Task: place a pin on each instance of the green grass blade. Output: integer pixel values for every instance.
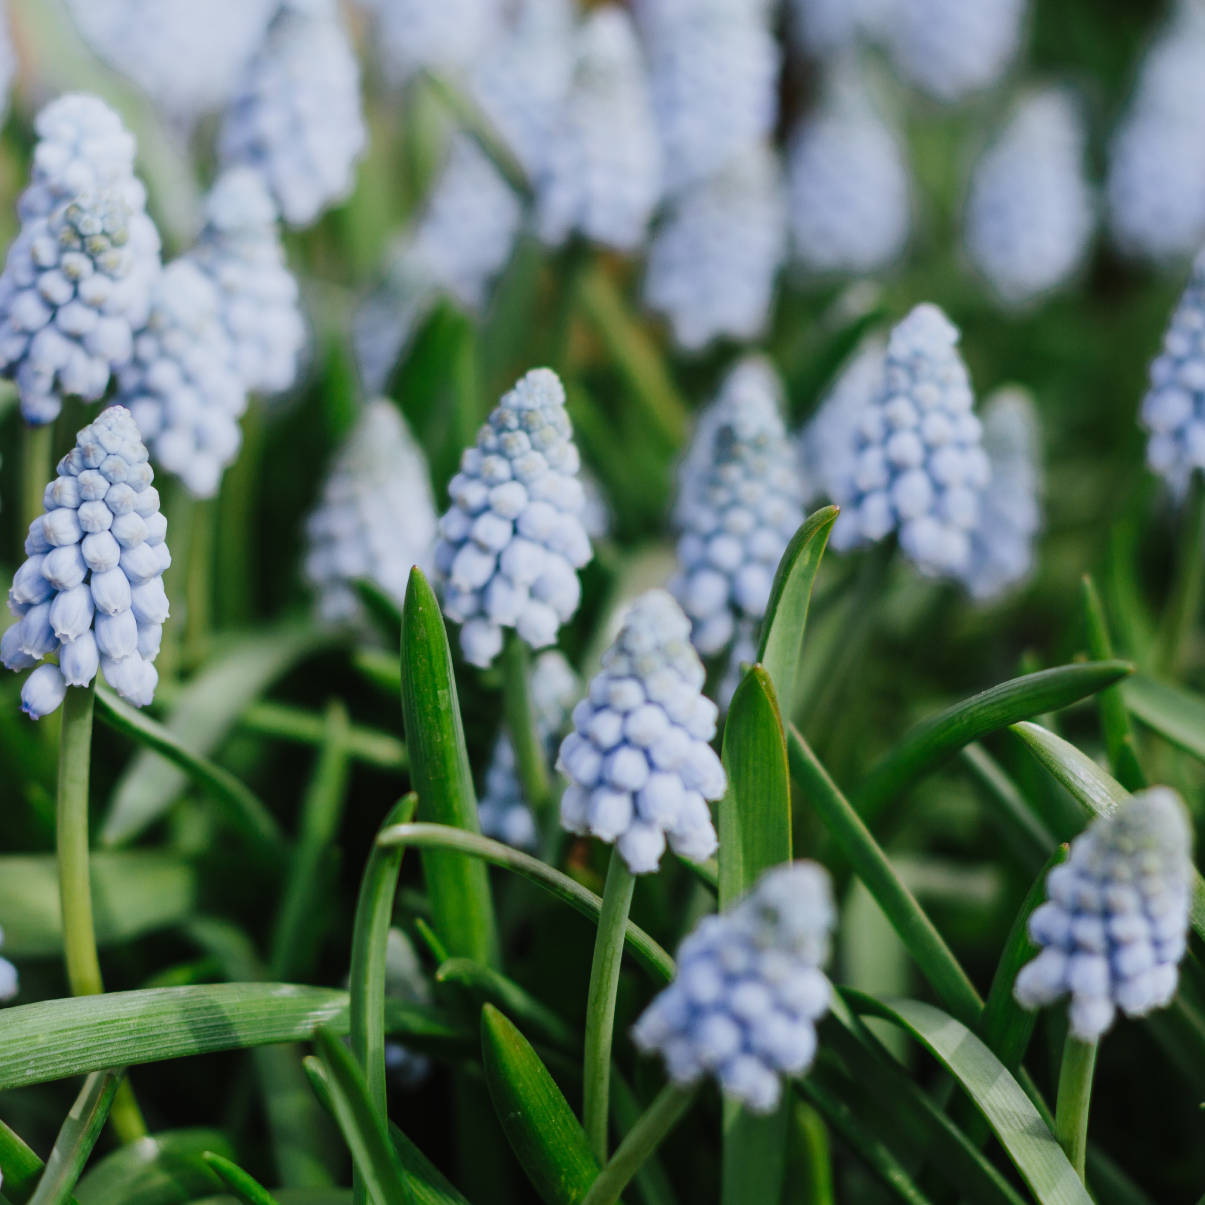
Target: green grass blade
(1175, 713)
(547, 1138)
(20, 1167)
(165, 1169)
(77, 1137)
(458, 887)
(367, 745)
(785, 620)
(438, 836)
(1032, 839)
(1032, 1148)
(427, 1184)
(871, 865)
(937, 739)
(247, 1189)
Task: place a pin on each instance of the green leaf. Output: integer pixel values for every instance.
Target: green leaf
(457, 887)
(547, 1139)
(871, 865)
(427, 1184)
(937, 739)
(290, 1196)
(785, 621)
(652, 1183)
(1176, 714)
(1031, 838)
(133, 893)
(364, 1129)
(438, 836)
(367, 745)
(248, 1190)
(379, 667)
(1033, 1149)
(165, 1169)
(202, 714)
(20, 1167)
(77, 1137)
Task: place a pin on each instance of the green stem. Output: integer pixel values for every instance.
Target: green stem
(530, 759)
(179, 506)
(236, 559)
(199, 615)
(36, 470)
(600, 1006)
(1075, 1096)
(1189, 576)
(641, 1141)
(813, 1139)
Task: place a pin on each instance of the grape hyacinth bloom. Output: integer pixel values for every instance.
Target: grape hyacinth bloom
(749, 990)
(182, 385)
(1115, 924)
(449, 35)
(92, 588)
(638, 760)
(513, 538)
(9, 983)
(921, 467)
(297, 118)
(602, 175)
(376, 519)
(714, 258)
(240, 250)
(1030, 208)
(738, 506)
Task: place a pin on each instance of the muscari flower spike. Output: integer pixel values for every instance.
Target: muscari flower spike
(738, 506)
(1115, 925)
(921, 468)
(638, 760)
(297, 117)
(376, 519)
(513, 539)
(749, 990)
(92, 588)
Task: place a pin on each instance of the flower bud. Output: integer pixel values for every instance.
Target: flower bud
(43, 692)
(116, 635)
(71, 612)
(78, 660)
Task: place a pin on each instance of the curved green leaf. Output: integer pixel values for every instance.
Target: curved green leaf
(248, 1190)
(1175, 713)
(77, 1137)
(20, 1167)
(165, 1169)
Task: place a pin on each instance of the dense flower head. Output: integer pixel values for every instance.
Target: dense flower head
(638, 760)
(513, 538)
(92, 588)
(297, 118)
(602, 174)
(240, 250)
(1115, 924)
(714, 258)
(738, 505)
(920, 467)
(1030, 210)
(749, 990)
(183, 385)
(413, 34)
(376, 518)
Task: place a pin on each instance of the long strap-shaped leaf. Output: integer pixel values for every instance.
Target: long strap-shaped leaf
(161, 1168)
(77, 1137)
(246, 1188)
(1172, 711)
(1033, 1149)
(21, 1168)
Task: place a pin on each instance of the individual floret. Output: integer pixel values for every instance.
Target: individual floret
(183, 385)
(297, 118)
(749, 990)
(639, 762)
(92, 588)
(738, 506)
(448, 35)
(1030, 210)
(602, 176)
(921, 468)
(513, 538)
(714, 258)
(1115, 925)
(376, 519)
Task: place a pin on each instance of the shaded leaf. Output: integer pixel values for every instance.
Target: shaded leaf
(77, 1137)
(1175, 713)
(427, 1184)
(164, 1169)
(367, 745)
(247, 1189)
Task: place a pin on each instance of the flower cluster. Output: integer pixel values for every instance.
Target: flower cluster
(1115, 925)
(749, 990)
(920, 467)
(638, 759)
(513, 538)
(376, 519)
(1030, 209)
(738, 505)
(92, 588)
(77, 278)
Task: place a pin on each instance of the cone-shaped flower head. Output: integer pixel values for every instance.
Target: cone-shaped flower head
(377, 515)
(240, 250)
(450, 35)
(296, 118)
(638, 758)
(92, 588)
(921, 467)
(738, 505)
(1002, 546)
(513, 538)
(183, 385)
(9, 985)
(749, 990)
(713, 261)
(602, 176)
(848, 185)
(187, 57)
(1030, 210)
(1115, 925)
(714, 73)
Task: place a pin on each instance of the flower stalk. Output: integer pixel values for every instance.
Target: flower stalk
(1075, 1097)
(37, 455)
(531, 762)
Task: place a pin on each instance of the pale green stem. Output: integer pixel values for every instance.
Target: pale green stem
(1189, 576)
(600, 1006)
(1075, 1096)
(199, 616)
(36, 456)
(179, 508)
(531, 762)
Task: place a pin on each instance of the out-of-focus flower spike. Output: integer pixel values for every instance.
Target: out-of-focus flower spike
(450, 35)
